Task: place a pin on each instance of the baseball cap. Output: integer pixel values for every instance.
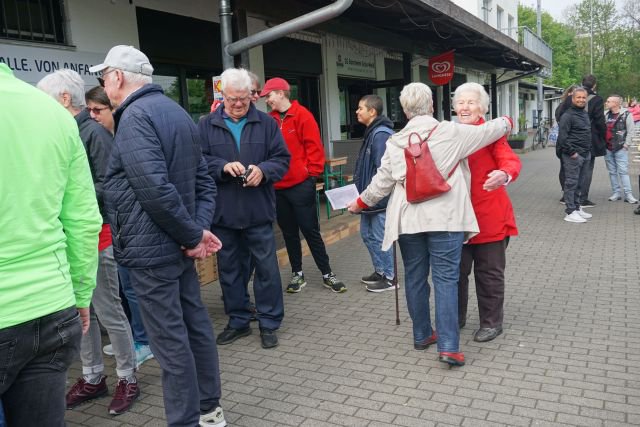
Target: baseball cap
(275, 83)
(126, 58)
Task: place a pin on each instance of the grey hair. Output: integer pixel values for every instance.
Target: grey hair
(416, 100)
(477, 89)
(136, 79)
(64, 81)
(254, 78)
(235, 78)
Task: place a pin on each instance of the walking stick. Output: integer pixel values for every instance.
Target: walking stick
(395, 282)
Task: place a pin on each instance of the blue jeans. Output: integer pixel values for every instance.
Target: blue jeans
(34, 359)
(441, 251)
(618, 165)
(181, 339)
(137, 327)
(372, 232)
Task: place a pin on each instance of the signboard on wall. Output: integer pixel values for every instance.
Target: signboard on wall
(33, 63)
(441, 68)
(354, 64)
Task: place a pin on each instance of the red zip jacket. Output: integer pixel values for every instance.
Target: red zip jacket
(302, 135)
(493, 209)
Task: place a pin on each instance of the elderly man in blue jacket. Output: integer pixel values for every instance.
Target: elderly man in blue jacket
(160, 200)
(246, 155)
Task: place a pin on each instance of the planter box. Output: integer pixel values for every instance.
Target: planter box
(516, 143)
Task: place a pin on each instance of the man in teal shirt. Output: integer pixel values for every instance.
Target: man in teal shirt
(49, 225)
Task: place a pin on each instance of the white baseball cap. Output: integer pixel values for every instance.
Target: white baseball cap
(126, 58)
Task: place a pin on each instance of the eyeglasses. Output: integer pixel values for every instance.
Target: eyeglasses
(96, 110)
(243, 100)
(255, 92)
(101, 78)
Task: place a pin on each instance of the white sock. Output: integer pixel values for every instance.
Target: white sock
(93, 378)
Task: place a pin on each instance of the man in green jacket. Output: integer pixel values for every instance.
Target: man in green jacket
(49, 225)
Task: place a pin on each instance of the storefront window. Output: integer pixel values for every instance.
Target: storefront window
(170, 85)
(197, 98)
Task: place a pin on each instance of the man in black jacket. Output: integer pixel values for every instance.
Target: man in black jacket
(574, 146)
(595, 110)
(160, 202)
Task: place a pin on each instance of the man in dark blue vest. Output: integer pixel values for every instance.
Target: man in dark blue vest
(378, 130)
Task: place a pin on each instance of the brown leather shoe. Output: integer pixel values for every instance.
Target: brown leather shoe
(83, 391)
(126, 393)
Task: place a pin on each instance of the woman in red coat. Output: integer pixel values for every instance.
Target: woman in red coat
(492, 168)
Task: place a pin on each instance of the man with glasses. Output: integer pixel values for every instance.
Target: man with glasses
(160, 201)
(246, 156)
(67, 87)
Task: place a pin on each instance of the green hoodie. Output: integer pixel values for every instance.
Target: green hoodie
(49, 218)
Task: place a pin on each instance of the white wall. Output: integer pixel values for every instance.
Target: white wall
(470, 6)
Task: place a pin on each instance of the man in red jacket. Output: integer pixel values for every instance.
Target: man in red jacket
(296, 192)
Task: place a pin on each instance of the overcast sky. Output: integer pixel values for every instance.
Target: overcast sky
(557, 7)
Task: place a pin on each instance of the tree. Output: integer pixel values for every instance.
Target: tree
(561, 38)
(615, 44)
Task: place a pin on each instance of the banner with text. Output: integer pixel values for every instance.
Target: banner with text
(441, 68)
(33, 63)
(354, 64)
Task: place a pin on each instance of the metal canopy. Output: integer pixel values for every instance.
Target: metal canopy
(431, 27)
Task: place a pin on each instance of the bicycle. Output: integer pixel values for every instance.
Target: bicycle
(541, 138)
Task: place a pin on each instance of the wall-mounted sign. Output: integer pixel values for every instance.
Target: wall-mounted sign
(33, 63)
(441, 68)
(217, 88)
(353, 64)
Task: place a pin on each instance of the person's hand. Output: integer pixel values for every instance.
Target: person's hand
(255, 177)
(353, 207)
(207, 246)
(84, 317)
(234, 169)
(574, 156)
(497, 178)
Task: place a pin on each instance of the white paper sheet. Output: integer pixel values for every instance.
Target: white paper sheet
(340, 197)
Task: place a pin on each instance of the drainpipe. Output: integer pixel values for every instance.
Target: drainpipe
(229, 50)
(226, 32)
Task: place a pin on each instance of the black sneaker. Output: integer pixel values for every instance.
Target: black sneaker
(382, 285)
(334, 284)
(296, 284)
(637, 210)
(229, 335)
(372, 278)
(562, 201)
(587, 204)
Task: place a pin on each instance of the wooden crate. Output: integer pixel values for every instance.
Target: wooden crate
(207, 269)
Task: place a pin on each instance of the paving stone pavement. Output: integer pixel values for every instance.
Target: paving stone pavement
(569, 354)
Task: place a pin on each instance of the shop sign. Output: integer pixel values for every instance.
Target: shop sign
(441, 68)
(351, 63)
(31, 64)
(217, 88)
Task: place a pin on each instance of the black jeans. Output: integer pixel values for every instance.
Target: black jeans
(181, 339)
(588, 175)
(34, 359)
(296, 211)
(575, 171)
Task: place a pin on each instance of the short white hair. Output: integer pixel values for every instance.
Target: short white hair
(236, 78)
(136, 79)
(64, 81)
(478, 90)
(416, 100)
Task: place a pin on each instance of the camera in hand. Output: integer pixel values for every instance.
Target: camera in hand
(245, 175)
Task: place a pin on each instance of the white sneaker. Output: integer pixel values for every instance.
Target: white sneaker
(630, 199)
(584, 214)
(108, 350)
(574, 217)
(214, 418)
(614, 197)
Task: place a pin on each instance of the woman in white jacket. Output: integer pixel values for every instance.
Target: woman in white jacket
(431, 233)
